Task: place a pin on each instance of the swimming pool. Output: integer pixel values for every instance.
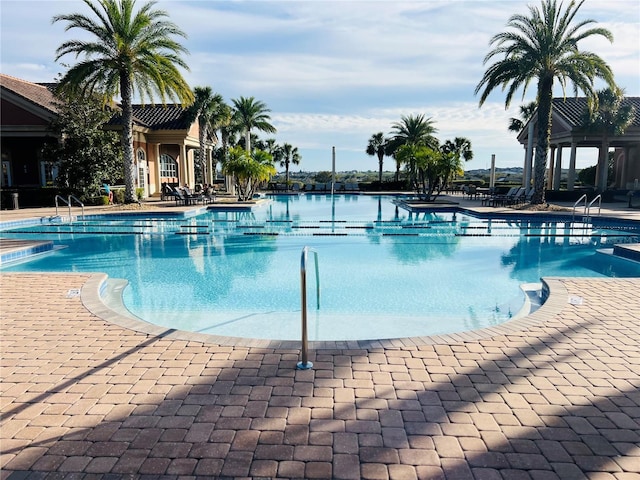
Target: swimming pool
(385, 272)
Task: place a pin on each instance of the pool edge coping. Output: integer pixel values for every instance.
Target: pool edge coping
(557, 299)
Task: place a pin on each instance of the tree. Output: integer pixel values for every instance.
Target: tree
(86, 155)
(378, 146)
(249, 170)
(249, 114)
(211, 113)
(411, 130)
(287, 155)
(543, 47)
(453, 154)
(526, 113)
(128, 50)
(609, 116)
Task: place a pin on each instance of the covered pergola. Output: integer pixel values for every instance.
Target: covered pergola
(567, 132)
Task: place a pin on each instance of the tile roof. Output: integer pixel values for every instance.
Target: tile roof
(38, 94)
(158, 117)
(571, 109)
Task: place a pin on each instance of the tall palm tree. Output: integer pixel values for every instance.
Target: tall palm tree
(610, 116)
(209, 110)
(251, 113)
(288, 155)
(543, 47)
(128, 50)
(378, 146)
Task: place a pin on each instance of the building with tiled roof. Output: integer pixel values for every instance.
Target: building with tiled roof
(567, 131)
(165, 142)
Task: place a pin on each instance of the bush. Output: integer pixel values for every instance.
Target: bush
(118, 195)
(139, 193)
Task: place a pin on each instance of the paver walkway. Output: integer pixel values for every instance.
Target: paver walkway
(84, 398)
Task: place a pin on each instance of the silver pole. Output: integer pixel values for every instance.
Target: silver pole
(304, 364)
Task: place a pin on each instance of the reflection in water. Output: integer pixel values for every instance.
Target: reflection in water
(386, 272)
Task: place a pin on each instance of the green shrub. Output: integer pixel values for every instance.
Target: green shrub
(139, 193)
(118, 195)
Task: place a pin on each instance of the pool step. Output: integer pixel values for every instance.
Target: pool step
(13, 250)
(630, 251)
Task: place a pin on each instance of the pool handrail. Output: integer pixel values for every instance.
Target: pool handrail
(588, 207)
(67, 202)
(583, 197)
(304, 363)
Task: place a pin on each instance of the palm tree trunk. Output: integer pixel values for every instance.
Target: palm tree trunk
(545, 95)
(127, 139)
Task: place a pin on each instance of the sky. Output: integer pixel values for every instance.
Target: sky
(333, 73)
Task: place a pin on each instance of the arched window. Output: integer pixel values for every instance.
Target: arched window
(168, 166)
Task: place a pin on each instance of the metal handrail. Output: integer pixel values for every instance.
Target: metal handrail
(588, 207)
(67, 202)
(79, 203)
(305, 364)
(583, 197)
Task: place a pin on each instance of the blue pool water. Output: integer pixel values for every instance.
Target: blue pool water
(384, 272)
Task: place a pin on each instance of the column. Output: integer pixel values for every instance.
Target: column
(623, 167)
(158, 181)
(558, 170)
(571, 179)
(184, 165)
(528, 159)
(552, 156)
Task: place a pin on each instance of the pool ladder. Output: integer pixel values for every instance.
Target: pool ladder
(304, 363)
(587, 207)
(68, 202)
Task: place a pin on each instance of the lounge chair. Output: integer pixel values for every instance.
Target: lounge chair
(192, 198)
(517, 198)
(176, 194)
(499, 199)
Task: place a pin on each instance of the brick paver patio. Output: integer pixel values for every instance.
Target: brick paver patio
(85, 398)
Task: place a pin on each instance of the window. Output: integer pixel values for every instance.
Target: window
(48, 173)
(168, 166)
(142, 168)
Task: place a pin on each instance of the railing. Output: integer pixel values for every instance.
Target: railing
(583, 197)
(588, 207)
(305, 364)
(67, 202)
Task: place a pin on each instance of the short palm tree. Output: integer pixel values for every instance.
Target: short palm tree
(288, 155)
(610, 116)
(542, 47)
(454, 152)
(250, 113)
(378, 146)
(412, 130)
(249, 170)
(128, 50)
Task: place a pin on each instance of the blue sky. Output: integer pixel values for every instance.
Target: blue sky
(334, 73)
